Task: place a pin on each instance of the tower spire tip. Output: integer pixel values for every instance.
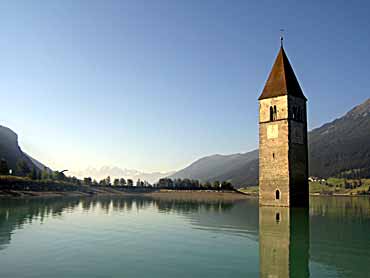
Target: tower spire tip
(281, 37)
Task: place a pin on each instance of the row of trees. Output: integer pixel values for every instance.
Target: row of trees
(4, 169)
(164, 183)
(116, 182)
(188, 184)
(355, 173)
(23, 169)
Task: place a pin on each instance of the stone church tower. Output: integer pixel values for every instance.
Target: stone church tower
(283, 158)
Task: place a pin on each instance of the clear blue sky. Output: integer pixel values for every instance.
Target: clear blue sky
(154, 85)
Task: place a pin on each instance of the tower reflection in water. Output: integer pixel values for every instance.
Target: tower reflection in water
(284, 242)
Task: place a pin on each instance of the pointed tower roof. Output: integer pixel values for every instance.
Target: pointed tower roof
(282, 80)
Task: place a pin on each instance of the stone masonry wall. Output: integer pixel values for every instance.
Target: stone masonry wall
(273, 156)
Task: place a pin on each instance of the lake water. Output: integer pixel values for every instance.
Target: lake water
(147, 237)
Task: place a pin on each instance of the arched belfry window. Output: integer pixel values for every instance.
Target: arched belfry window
(271, 113)
(277, 195)
(300, 114)
(302, 119)
(297, 113)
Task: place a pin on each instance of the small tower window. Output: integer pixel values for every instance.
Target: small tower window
(277, 217)
(273, 155)
(277, 195)
(275, 113)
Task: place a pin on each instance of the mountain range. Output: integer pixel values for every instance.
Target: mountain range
(336, 148)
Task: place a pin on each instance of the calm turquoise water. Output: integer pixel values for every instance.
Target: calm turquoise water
(146, 237)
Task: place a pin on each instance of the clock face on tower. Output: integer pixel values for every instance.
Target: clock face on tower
(272, 131)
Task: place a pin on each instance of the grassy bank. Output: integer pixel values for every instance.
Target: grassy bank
(22, 186)
(331, 186)
(338, 186)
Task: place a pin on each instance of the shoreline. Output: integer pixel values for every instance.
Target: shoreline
(98, 191)
(168, 194)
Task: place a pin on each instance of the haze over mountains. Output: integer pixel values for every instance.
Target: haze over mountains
(241, 168)
(12, 153)
(117, 172)
(334, 148)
